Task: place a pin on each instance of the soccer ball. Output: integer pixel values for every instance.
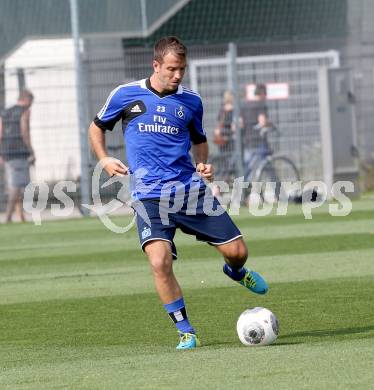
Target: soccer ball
(257, 326)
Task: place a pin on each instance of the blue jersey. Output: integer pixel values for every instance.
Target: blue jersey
(158, 130)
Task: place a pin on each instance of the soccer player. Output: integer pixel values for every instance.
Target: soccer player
(160, 119)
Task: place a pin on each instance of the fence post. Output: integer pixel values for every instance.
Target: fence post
(81, 104)
(232, 74)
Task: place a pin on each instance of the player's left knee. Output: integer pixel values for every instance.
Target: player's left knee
(241, 256)
(238, 253)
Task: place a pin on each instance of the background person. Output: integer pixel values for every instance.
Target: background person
(254, 117)
(16, 151)
(224, 132)
(224, 138)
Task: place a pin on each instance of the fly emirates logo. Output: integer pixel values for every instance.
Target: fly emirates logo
(158, 126)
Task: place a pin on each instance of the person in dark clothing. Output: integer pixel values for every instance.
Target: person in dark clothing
(224, 138)
(223, 133)
(16, 151)
(254, 117)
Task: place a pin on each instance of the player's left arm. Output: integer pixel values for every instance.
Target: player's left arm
(200, 153)
(200, 148)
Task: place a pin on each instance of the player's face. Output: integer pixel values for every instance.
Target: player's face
(169, 73)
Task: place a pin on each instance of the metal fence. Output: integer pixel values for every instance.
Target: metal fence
(295, 114)
(47, 68)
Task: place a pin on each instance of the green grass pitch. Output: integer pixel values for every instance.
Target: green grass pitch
(78, 308)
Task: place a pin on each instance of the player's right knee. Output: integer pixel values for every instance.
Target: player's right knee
(161, 266)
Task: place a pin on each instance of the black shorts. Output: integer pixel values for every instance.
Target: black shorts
(200, 215)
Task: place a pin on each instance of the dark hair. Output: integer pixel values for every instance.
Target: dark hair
(25, 94)
(166, 45)
(260, 88)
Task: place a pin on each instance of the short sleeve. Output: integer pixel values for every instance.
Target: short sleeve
(112, 110)
(197, 132)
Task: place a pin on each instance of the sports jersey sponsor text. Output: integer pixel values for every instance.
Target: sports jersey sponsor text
(157, 128)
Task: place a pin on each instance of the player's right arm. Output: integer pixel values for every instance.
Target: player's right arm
(112, 166)
(108, 116)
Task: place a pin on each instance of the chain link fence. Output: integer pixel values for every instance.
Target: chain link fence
(46, 67)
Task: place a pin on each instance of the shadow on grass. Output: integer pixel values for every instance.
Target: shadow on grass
(280, 341)
(218, 343)
(284, 340)
(236, 343)
(330, 332)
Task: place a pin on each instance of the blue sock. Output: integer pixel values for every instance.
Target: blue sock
(236, 274)
(177, 312)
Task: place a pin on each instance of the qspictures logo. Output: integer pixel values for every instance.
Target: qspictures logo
(264, 198)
